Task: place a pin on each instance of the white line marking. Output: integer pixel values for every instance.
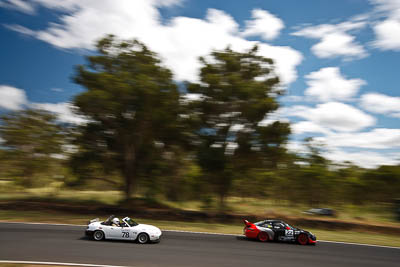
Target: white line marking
(208, 233)
(359, 244)
(58, 263)
(58, 224)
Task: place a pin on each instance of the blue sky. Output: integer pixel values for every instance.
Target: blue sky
(338, 60)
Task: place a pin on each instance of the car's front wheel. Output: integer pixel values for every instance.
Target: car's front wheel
(302, 239)
(98, 235)
(143, 238)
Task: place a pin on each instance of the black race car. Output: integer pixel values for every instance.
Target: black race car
(277, 230)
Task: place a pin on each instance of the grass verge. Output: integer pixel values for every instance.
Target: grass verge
(65, 218)
(378, 214)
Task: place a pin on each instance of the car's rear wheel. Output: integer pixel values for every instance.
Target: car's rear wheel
(98, 235)
(302, 239)
(263, 236)
(143, 238)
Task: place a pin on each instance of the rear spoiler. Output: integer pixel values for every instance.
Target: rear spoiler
(94, 220)
(247, 223)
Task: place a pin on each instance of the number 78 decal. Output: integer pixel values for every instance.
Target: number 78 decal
(125, 234)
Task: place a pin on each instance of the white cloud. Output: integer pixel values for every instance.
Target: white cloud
(286, 59)
(296, 146)
(264, 24)
(335, 40)
(338, 44)
(366, 159)
(387, 31)
(381, 104)
(292, 98)
(328, 84)
(387, 35)
(12, 98)
(20, 5)
(380, 138)
(179, 41)
(20, 29)
(277, 115)
(308, 127)
(64, 112)
(333, 116)
(390, 7)
(337, 154)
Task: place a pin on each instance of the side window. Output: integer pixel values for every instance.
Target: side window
(278, 225)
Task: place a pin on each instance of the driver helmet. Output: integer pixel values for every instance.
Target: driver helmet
(115, 221)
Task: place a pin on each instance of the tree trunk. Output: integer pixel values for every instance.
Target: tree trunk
(28, 173)
(223, 188)
(222, 201)
(129, 170)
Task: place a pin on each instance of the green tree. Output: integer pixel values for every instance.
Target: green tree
(132, 106)
(348, 185)
(381, 184)
(31, 141)
(312, 182)
(238, 90)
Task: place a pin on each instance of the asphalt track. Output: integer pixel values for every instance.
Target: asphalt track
(58, 243)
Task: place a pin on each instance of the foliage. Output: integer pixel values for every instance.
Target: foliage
(32, 140)
(238, 90)
(142, 135)
(131, 104)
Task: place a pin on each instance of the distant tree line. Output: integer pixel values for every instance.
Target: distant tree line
(144, 135)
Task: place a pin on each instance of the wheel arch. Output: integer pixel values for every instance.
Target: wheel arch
(143, 232)
(100, 230)
(270, 232)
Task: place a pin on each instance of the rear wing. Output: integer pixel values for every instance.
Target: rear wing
(247, 223)
(94, 220)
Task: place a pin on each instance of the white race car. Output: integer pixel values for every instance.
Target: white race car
(127, 229)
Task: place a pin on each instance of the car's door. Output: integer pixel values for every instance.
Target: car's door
(125, 232)
(289, 232)
(109, 231)
(279, 230)
(134, 231)
(114, 232)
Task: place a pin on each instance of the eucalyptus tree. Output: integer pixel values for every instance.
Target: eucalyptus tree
(237, 94)
(132, 107)
(31, 142)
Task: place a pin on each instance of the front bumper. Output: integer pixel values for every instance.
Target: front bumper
(312, 239)
(155, 238)
(312, 242)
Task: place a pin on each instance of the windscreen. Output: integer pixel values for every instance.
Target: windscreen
(130, 221)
